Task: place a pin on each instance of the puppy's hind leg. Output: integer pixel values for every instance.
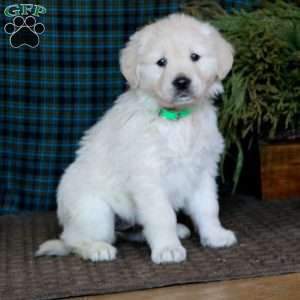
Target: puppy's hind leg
(90, 233)
(183, 232)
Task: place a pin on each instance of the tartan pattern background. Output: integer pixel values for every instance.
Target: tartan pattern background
(51, 94)
(240, 4)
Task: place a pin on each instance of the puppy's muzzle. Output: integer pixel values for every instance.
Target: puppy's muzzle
(182, 92)
(181, 83)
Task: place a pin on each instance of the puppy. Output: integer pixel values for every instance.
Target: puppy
(155, 152)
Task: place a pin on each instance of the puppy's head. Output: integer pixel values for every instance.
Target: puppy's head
(178, 60)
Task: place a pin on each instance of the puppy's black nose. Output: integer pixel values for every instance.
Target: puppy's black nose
(181, 83)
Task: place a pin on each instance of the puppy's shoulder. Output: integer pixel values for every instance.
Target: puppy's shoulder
(126, 118)
(206, 115)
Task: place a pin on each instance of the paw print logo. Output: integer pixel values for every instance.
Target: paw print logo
(24, 32)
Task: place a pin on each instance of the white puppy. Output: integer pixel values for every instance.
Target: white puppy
(155, 152)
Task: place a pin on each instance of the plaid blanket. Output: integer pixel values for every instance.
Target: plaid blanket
(231, 5)
(59, 73)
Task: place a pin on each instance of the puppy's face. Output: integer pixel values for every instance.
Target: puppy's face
(178, 60)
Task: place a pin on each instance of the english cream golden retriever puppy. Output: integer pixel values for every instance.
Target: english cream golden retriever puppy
(155, 152)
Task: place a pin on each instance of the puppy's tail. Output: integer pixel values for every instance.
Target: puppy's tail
(53, 248)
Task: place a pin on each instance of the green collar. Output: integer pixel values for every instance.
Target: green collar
(174, 115)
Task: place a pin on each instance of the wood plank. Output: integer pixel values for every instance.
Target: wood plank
(280, 171)
(285, 287)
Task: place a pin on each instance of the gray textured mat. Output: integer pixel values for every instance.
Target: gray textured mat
(269, 244)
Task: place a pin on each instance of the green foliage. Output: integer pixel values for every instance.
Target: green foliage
(262, 94)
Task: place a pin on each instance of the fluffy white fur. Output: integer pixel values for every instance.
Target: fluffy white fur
(141, 167)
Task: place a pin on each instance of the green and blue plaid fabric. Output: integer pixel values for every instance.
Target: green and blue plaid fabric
(50, 94)
(231, 5)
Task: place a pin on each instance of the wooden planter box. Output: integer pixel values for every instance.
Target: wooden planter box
(280, 170)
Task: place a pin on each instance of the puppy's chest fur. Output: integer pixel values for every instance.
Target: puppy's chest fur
(180, 159)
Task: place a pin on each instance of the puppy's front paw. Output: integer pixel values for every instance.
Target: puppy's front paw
(169, 254)
(96, 251)
(218, 238)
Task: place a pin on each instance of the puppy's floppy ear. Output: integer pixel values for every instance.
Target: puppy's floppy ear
(224, 50)
(129, 60)
(225, 56)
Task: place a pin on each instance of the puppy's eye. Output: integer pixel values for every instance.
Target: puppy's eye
(195, 57)
(162, 62)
